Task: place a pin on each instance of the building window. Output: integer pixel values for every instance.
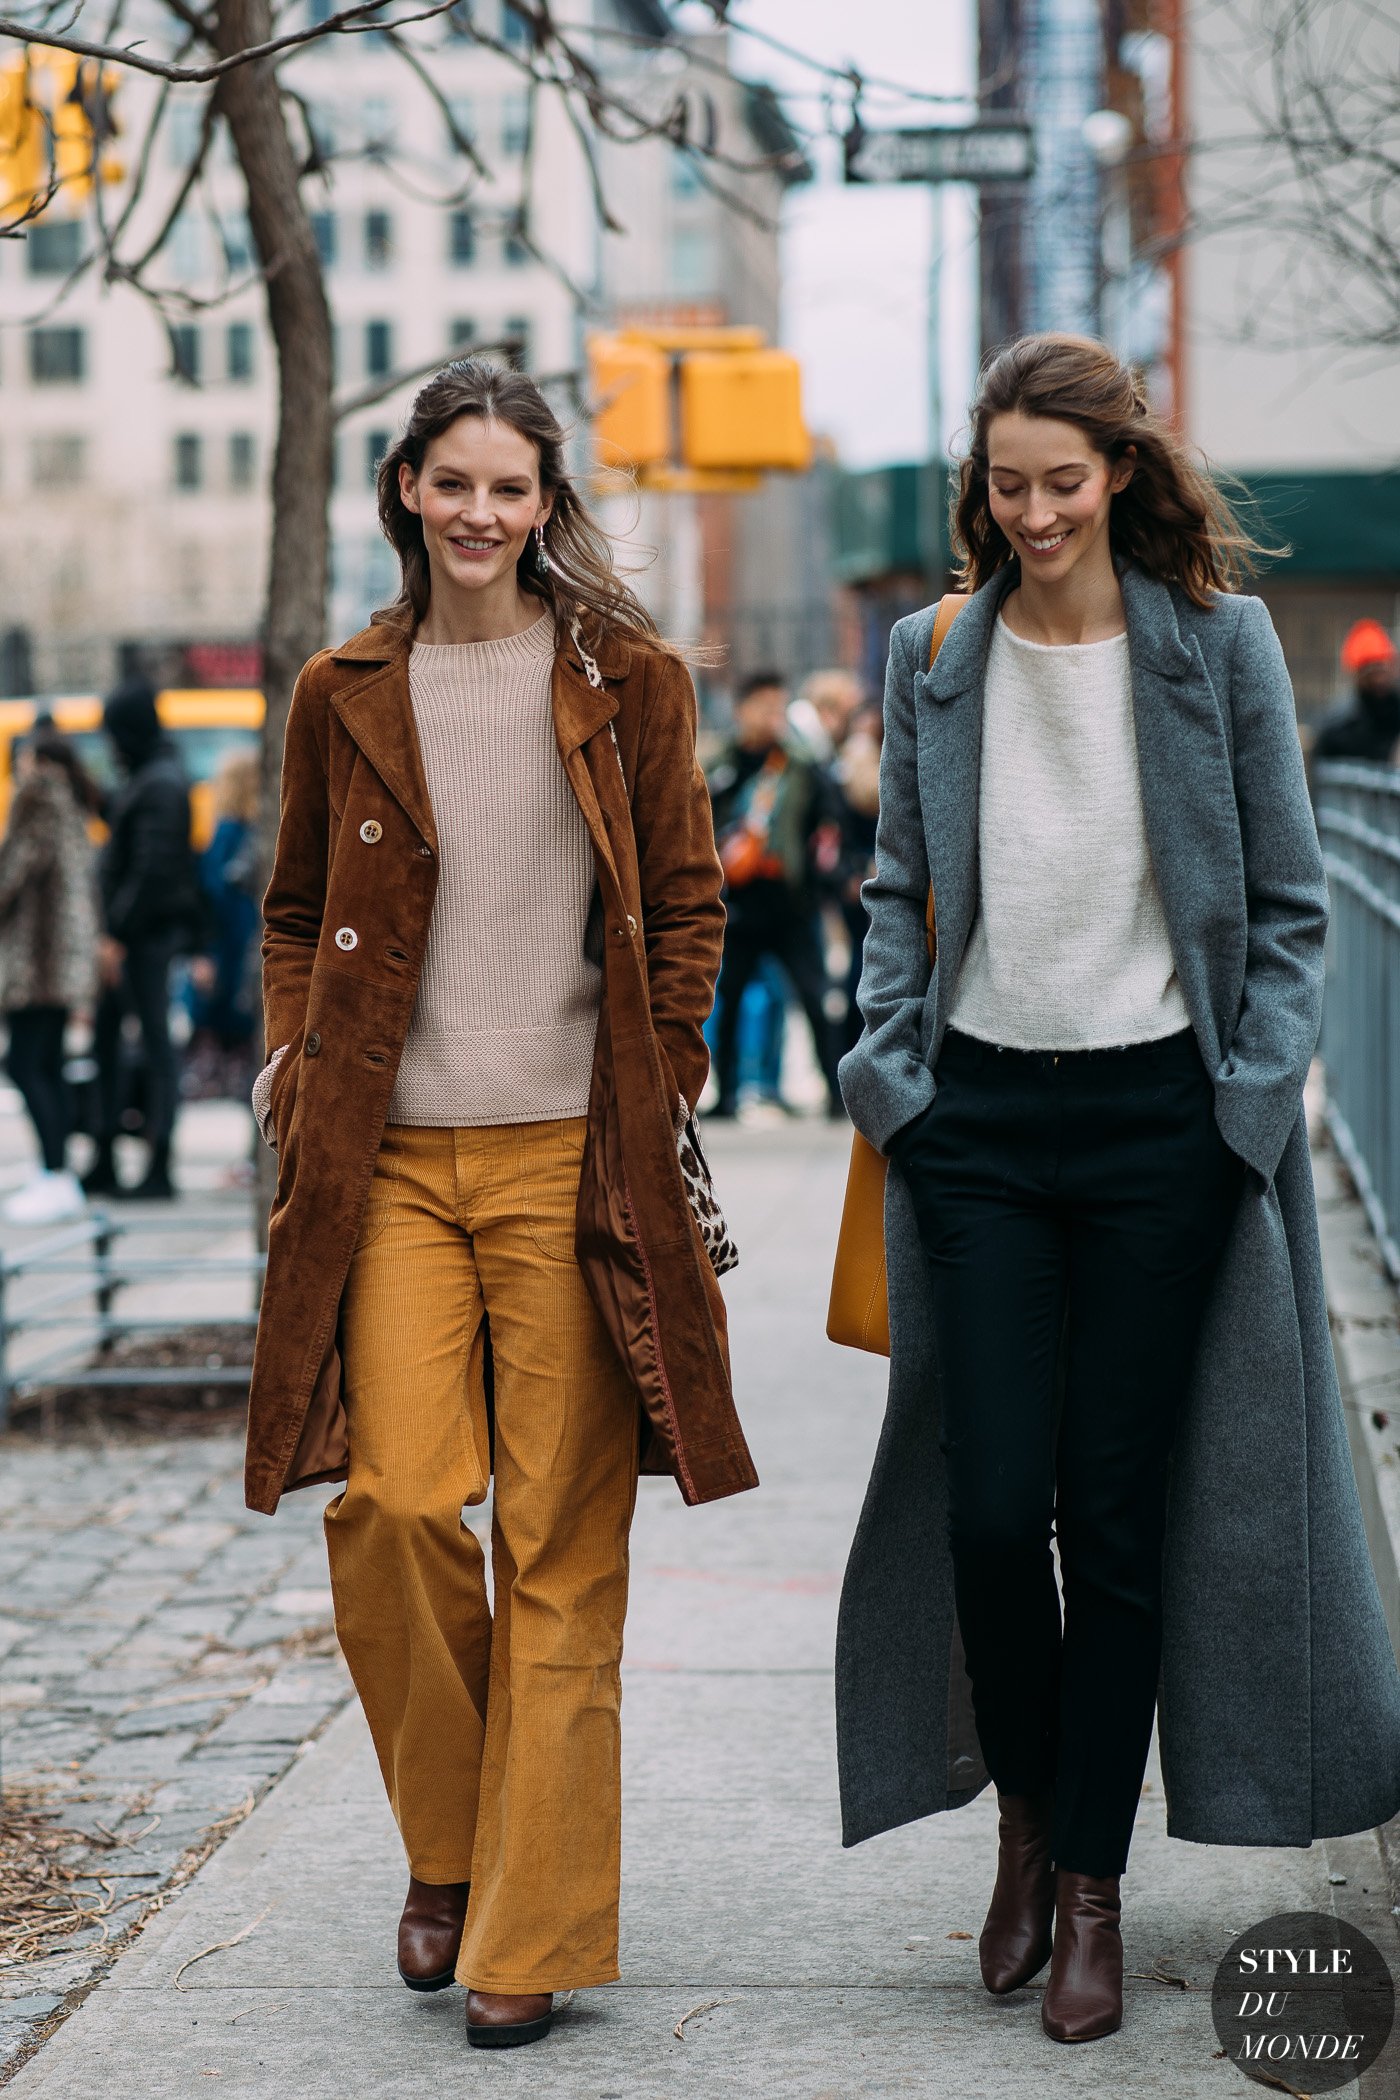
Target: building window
(515, 123)
(517, 333)
(53, 247)
(189, 460)
(462, 238)
(323, 122)
(323, 226)
(377, 118)
(58, 459)
(239, 352)
(379, 240)
(515, 28)
(516, 250)
(379, 349)
(184, 353)
(377, 443)
(184, 125)
(242, 459)
(685, 176)
(237, 237)
(187, 247)
(57, 356)
(461, 336)
(690, 259)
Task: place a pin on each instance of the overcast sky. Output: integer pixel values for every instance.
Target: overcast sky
(856, 258)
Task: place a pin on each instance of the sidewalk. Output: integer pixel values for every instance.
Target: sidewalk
(809, 1973)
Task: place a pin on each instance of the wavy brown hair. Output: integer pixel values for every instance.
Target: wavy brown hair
(1171, 519)
(581, 582)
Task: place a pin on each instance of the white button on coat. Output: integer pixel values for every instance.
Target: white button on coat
(371, 831)
(347, 938)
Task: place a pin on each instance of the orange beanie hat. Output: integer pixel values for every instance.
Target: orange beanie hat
(1367, 643)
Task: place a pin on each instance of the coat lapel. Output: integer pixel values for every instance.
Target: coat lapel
(948, 705)
(1188, 791)
(377, 712)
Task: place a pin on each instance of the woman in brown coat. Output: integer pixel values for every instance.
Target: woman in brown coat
(493, 930)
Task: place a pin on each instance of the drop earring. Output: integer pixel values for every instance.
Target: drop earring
(541, 558)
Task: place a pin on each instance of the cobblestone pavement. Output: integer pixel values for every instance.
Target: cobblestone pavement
(165, 1656)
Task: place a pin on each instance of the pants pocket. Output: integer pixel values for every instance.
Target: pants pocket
(380, 1200)
(551, 1159)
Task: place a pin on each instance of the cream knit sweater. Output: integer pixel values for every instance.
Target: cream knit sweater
(1070, 949)
(506, 1018)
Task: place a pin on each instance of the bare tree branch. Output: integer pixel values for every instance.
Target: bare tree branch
(348, 20)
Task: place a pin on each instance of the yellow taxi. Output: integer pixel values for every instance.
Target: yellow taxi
(204, 724)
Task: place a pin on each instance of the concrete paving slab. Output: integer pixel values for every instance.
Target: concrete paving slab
(809, 1973)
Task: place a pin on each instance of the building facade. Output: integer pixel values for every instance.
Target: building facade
(136, 436)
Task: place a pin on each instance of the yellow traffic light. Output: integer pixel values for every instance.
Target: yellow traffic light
(56, 118)
(632, 385)
(22, 154)
(743, 409)
(74, 147)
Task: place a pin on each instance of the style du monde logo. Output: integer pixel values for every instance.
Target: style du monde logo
(1303, 2002)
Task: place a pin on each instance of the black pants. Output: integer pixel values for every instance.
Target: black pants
(1073, 1203)
(34, 1061)
(145, 991)
(795, 942)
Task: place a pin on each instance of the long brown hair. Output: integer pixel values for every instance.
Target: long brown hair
(1171, 519)
(581, 583)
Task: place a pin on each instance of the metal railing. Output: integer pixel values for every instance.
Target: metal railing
(1358, 817)
(93, 1261)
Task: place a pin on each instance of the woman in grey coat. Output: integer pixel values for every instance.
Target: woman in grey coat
(48, 956)
(1106, 1305)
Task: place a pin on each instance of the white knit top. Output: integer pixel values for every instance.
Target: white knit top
(506, 1017)
(1069, 950)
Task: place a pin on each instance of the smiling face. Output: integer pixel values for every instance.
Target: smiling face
(478, 496)
(1051, 492)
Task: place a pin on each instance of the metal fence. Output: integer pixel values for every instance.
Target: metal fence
(67, 1287)
(1358, 817)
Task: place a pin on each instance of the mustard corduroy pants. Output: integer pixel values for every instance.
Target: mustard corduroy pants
(497, 1732)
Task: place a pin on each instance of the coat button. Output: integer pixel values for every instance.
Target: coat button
(371, 831)
(426, 852)
(312, 1046)
(631, 925)
(347, 938)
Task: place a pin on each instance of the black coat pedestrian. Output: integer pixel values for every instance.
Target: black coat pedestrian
(149, 877)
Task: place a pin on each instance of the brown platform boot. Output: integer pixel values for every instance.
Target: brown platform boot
(495, 2021)
(1015, 1942)
(1084, 1997)
(430, 1933)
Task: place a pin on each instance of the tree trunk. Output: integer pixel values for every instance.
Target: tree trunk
(294, 616)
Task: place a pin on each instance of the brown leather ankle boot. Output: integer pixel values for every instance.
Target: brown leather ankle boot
(1015, 1942)
(430, 1932)
(498, 2022)
(1084, 1997)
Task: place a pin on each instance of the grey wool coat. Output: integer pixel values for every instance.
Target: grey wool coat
(1279, 1704)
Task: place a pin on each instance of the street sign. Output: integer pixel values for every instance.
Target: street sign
(949, 153)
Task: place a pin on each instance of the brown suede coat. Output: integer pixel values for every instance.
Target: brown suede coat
(343, 1010)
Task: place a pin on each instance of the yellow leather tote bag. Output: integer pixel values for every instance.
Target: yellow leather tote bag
(859, 1313)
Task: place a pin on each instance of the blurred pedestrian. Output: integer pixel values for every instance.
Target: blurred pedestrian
(48, 955)
(217, 1061)
(776, 824)
(153, 912)
(1094, 1105)
(1369, 726)
(493, 930)
(832, 699)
